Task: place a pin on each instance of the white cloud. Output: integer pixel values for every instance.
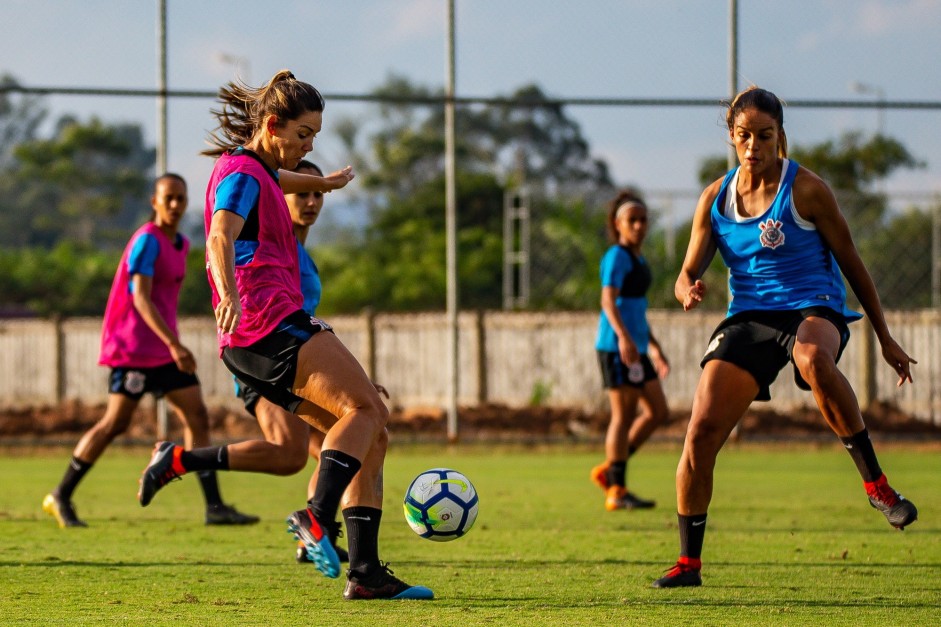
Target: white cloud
(876, 17)
(411, 20)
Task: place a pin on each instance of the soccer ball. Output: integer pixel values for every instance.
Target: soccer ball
(441, 505)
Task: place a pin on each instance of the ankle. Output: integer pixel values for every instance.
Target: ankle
(694, 563)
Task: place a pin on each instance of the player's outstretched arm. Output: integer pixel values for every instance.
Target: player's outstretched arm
(300, 183)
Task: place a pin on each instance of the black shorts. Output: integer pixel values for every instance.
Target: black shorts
(248, 395)
(615, 373)
(159, 380)
(269, 366)
(761, 342)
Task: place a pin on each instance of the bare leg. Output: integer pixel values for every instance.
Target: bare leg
(329, 377)
(116, 420)
(654, 411)
(313, 448)
(815, 350)
(188, 405)
(724, 393)
(623, 408)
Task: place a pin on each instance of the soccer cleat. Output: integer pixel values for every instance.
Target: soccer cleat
(684, 574)
(62, 511)
(899, 511)
(223, 514)
(619, 498)
(164, 467)
(315, 537)
(599, 476)
(300, 554)
(382, 584)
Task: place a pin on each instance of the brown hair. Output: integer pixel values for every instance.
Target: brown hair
(624, 196)
(244, 108)
(308, 165)
(763, 100)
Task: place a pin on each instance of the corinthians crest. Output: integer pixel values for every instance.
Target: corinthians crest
(771, 234)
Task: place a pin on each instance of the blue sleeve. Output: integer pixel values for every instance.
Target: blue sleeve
(143, 255)
(614, 267)
(238, 193)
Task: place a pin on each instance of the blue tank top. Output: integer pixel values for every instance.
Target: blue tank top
(777, 261)
(631, 275)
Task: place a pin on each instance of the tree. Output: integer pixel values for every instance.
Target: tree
(88, 183)
(399, 259)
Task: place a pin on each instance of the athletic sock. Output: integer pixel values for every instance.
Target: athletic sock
(617, 473)
(337, 470)
(859, 446)
(73, 474)
(210, 485)
(692, 533)
(362, 533)
(630, 451)
(206, 458)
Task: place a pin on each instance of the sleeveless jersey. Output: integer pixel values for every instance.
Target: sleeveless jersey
(629, 273)
(777, 261)
(266, 264)
(126, 339)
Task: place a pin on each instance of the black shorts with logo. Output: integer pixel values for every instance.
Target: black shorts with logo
(159, 380)
(615, 373)
(269, 366)
(762, 342)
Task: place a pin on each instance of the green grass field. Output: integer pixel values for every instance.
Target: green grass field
(792, 540)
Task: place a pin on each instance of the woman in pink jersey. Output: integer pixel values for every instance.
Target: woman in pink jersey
(269, 342)
(139, 342)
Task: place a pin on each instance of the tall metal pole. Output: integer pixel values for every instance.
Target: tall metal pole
(451, 231)
(732, 160)
(161, 405)
(162, 86)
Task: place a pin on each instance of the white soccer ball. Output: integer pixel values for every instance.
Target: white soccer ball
(441, 505)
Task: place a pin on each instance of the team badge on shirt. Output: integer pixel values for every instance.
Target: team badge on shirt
(771, 234)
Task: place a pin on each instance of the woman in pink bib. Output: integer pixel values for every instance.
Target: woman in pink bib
(269, 342)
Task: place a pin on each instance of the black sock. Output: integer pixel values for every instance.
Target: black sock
(210, 484)
(336, 471)
(630, 451)
(859, 446)
(692, 533)
(73, 474)
(206, 458)
(362, 533)
(617, 473)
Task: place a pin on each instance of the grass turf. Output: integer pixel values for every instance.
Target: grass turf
(791, 540)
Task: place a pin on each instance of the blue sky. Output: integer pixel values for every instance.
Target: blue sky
(801, 49)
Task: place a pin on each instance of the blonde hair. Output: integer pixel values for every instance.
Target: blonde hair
(755, 97)
(245, 108)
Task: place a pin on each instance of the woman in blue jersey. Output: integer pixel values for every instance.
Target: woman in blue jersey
(780, 231)
(630, 357)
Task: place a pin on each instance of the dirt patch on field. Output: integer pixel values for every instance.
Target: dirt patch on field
(68, 421)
